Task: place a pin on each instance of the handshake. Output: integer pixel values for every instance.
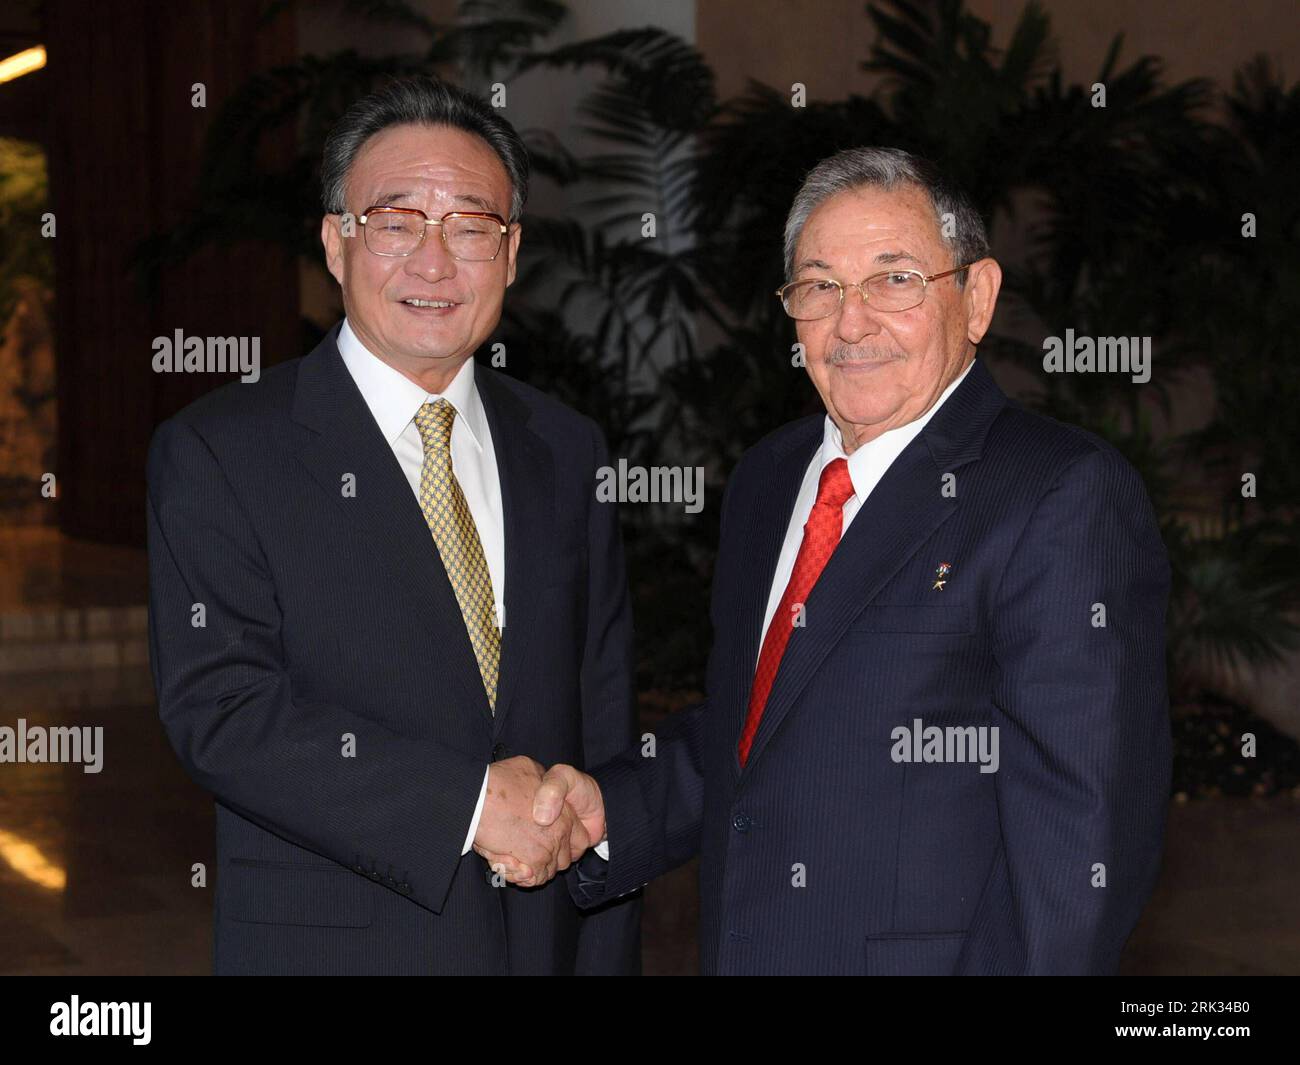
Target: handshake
(536, 824)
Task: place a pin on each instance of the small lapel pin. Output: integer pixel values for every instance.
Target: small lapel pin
(940, 576)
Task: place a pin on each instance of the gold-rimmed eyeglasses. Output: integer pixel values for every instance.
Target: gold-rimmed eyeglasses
(469, 236)
(811, 298)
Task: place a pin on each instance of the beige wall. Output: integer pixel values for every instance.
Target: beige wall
(1196, 38)
(822, 42)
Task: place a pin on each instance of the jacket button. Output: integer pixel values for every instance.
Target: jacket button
(498, 752)
(404, 888)
(741, 823)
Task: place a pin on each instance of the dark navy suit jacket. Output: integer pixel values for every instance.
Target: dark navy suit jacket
(331, 701)
(825, 854)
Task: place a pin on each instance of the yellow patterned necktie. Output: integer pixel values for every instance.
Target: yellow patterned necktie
(454, 532)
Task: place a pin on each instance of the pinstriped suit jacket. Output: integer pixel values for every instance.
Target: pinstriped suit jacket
(829, 853)
(328, 615)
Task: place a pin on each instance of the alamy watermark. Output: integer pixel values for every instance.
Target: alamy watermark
(953, 743)
(102, 1018)
(1076, 354)
(651, 484)
(36, 743)
(181, 354)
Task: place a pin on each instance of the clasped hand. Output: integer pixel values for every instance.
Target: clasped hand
(536, 824)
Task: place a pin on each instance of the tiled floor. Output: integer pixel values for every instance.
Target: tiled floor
(95, 869)
(1228, 900)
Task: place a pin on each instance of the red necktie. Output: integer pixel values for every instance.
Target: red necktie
(820, 535)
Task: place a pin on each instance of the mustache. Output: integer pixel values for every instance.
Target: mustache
(842, 353)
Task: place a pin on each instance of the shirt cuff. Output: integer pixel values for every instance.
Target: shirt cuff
(478, 813)
(602, 849)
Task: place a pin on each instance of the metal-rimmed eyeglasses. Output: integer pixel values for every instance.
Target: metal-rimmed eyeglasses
(469, 236)
(811, 298)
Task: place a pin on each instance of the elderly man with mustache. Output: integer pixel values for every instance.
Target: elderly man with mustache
(936, 732)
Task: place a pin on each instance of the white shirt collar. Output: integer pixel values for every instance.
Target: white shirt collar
(868, 463)
(394, 399)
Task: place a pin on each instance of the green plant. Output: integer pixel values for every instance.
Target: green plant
(26, 255)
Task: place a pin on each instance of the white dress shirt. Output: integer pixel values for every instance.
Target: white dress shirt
(394, 399)
(867, 465)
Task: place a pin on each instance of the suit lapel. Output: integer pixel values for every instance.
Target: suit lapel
(527, 476)
(384, 511)
(902, 512)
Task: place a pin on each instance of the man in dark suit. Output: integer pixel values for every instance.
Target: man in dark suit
(332, 554)
(936, 735)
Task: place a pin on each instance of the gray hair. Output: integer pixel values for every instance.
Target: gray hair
(421, 101)
(887, 168)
